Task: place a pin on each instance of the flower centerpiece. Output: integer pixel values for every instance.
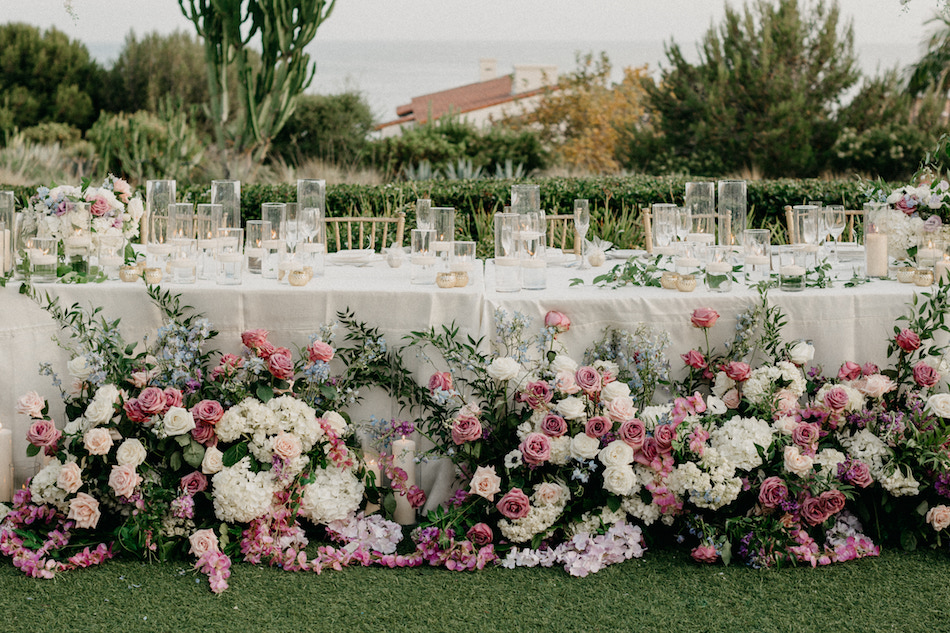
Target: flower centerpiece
(114, 209)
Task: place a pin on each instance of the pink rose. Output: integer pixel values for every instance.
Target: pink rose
(588, 379)
(773, 492)
(416, 497)
(122, 190)
(938, 517)
(44, 434)
(123, 480)
(281, 364)
(466, 428)
(203, 541)
(485, 483)
(173, 398)
(514, 505)
(557, 320)
(785, 401)
(704, 317)
(647, 453)
(204, 434)
(908, 340)
(287, 446)
(193, 483)
(151, 401)
(84, 510)
(731, 399)
(440, 381)
(836, 398)
(738, 371)
(875, 385)
(70, 478)
(925, 375)
(632, 432)
(705, 553)
(536, 448)
(320, 351)
(479, 534)
(664, 434)
(133, 409)
(694, 359)
(597, 426)
(565, 383)
(813, 511)
(832, 502)
(207, 411)
(98, 441)
(31, 404)
(537, 394)
(870, 368)
(621, 408)
(99, 207)
(907, 204)
(227, 366)
(254, 339)
(805, 434)
(849, 371)
(553, 425)
(860, 475)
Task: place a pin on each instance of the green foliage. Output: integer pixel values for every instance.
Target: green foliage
(45, 76)
(761, 97)
(52, 133)
(334, 128)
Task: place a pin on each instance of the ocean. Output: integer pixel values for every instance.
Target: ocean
(390, 74)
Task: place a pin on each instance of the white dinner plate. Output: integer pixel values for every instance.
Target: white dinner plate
(624, 253)
(354, 256)
(556, 257)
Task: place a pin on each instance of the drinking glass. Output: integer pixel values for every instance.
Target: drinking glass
(507, 264)
(229, 256)
(183, 264)
(757, 258)
(835, 220)
(423, 257)
(111, 255)
(793, 262)
(582, 224)
(684, 223)
(159, 196)
(719, 268)
(275, 213)
(227, 193)
(444, 218)
(806, 224)
(733, 211)
(700, 201)
(7, 215)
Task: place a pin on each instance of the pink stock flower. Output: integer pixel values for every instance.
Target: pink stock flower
(704, 318)
(416, 497)
(514, 505)
(557, 320)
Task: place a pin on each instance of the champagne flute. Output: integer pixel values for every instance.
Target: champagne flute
(835, 222)
(582, 224)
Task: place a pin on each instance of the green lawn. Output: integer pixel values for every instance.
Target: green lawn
(661, 592)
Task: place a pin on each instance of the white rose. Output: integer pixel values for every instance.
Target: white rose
(98, 441)
(336, 421)
(617, 453)
(563, 363)
(130, 452)
(571, 408)
(178, 421)
(79, 368)
(99, 411)
(614, 390)
(584, 446)
(939, 404)
(801, 352)
(715, 405)
(135, 208)
(547, 493)
(211, 463)
(504, 369)
(619, 480)
(621, 409)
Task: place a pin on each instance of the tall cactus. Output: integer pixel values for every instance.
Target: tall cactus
(267, 92)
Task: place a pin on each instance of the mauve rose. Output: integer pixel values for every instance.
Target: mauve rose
(925, 375)
(805, 434)
(536, 394)
(466, 428)
(869, 369)
(194, 482)
(99, 208)
(908, 340)
(479, 534)
(861, 475)
(664, 434)
(704, 317)
(254, 339)
(772, 492)
(694, 359)
(281, 364)
(632, 432)
(738, 371)
(588, 379)
(647, 453)
(416, 497)
(173, 398)
(597, 426)
(514, 505)
(84, 510)
(43, 433)
(832, 502)
(553, 425)
(907, 205)
(203, 541)
(558, 320)
(207, 411)
(731, 399)
(133, 409)
(123, 480)
(849, 371)
(320, 351)
(152, 401)
(204, 434)
(836, 398)
(704, 554)
(535, 448)
(31, 404)
(440, 381)
(813, 512)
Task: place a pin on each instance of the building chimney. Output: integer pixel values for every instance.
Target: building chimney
(487, 69)
(533, 76)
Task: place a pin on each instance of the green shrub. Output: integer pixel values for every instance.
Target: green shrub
(334, 128)
(52, 133)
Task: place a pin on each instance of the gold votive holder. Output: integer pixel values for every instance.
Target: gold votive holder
(906, 274)
(298, 277)
(686, 283)
(924, 277)
(153, 276)
(129, 274)
(461, 278)
(445, 280)
(668, 279)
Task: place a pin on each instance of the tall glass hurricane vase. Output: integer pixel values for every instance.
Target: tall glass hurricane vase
(159, 196)
(733, 210)
(227, 193)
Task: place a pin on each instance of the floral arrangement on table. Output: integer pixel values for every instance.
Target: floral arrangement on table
(114, 209)
(912, 210)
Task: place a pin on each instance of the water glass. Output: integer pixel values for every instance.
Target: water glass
(183, 265)
(756, 255)
(423, 257)
(582, 225)
(733, 211)
(111, 255)
(793, 264)
(159, 196)
(719, 268)
(227, 193)
(689, 257)
(43, 255)
(507, 263)
(229, 257)
(255, 234)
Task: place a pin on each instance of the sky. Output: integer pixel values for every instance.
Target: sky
(99, 21)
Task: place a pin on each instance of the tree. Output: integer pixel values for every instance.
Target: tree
(334, 128)
(267, 95)
(764, 93)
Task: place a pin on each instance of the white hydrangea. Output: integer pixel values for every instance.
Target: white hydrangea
(246, 418)
(596, 521)
(828, 460)
(334, 494)
(43, 486)
(646, 513)
(241, 495)
(762, 382)
(737, 439)
(856, 399)
(651, 415)
(299, 418)
(539, 519)
(867, 447)
(899, 484)
(560, 450)
(710, 489)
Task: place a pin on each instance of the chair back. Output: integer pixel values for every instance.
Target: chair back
(359, 232)
(560, 228)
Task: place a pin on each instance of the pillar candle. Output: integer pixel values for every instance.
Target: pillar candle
(6, 465)
(875, 251)
(942, 271)
(404, 456)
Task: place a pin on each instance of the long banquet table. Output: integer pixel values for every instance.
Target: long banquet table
(842, 323)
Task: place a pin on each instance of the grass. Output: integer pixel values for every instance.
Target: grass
(664, 591)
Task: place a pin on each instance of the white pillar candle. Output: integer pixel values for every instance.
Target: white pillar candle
(404, 456)
(942, 271)
(875, 250)
(7, 248)
(6, 465)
